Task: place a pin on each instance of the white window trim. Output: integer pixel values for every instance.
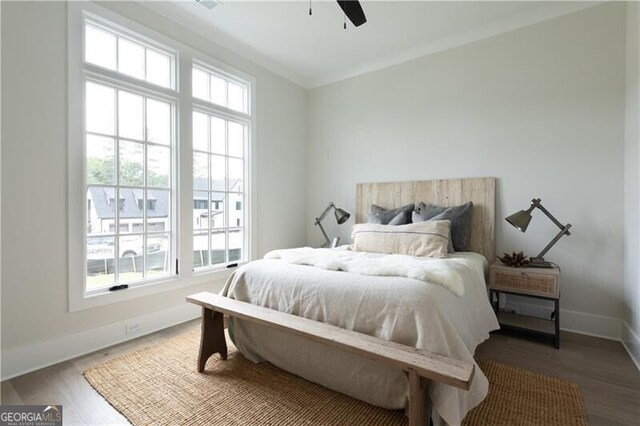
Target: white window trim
(185, 57)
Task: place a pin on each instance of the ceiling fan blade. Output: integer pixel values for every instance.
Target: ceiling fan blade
(354, 11)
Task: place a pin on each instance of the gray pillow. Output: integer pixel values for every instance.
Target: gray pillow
(384, 217)
(400, 219)
(460, 217)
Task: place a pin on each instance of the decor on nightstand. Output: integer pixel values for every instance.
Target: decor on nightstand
(341, 217)
(521, 219)
(515, 260)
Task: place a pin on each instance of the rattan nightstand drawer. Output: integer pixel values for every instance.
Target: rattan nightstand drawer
(526, 280)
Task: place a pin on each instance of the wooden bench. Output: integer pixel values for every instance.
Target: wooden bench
(420, 366)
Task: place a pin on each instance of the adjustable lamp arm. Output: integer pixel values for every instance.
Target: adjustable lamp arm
(324, 213)
(319, 223)
(564, 229)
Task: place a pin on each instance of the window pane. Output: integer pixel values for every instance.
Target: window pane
(218, 203)
(218, 141)
(236, 97)
(218, 173)
(200, 171)
(236, 139)
(201, 249)
(158, 121)
(236, 209)
(236, 245)
(218, 248)
(200, 83)
(130, 58)
(236, 175)
(158, 166)
(200, 210)
(130, 115)
(158, 210)
(130, 259)
(100, 262)
(218, 90)
(131, 163)
(200, 132)
(100, 108)
(157, 260)
(100, 212)
(99, 47)
(101, 160)
(158, 68)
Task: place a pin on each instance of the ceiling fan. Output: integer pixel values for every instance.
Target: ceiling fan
(353, 10)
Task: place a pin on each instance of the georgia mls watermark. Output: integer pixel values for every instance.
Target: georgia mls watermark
(30, 415)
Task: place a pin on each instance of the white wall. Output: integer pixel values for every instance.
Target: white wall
(540, 108)
(34, 179)
(631, 314)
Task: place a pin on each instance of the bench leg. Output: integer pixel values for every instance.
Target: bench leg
(212, 338)
(418, 411)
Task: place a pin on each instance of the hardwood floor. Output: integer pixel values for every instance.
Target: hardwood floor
(606, 375)
(64, 383)
(608, 379)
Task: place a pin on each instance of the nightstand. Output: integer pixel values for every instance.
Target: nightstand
(539, 283)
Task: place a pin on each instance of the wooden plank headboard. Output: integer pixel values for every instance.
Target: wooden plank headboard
(443, 192)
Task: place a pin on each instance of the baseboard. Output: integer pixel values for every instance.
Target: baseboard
(28, 358)
(631, 343)
(576, 322)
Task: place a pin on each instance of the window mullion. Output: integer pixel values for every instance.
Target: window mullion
(116, 191)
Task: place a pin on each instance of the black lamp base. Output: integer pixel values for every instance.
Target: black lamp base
(539, 262)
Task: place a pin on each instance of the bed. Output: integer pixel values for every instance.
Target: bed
(400, 309)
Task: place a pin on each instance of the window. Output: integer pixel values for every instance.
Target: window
(219, 89)
(132, 147)
(106, 47)
(129, 140)
(220, 141)
(218, 176)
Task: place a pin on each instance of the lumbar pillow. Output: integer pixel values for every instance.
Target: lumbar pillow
(383, 216)
(429, 239)
(460, 217)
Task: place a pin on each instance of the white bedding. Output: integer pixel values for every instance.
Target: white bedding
(404, 310)
(432, 270)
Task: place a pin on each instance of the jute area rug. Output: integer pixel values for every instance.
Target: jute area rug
(159, 385)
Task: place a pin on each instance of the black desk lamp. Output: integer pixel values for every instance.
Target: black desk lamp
(341, 217)
(521, 219)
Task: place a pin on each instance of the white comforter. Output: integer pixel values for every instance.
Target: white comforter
(404, 310)
(437, 271)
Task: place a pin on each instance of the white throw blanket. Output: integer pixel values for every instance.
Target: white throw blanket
(431, 270)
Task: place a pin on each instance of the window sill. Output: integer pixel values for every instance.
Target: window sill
(88, 301)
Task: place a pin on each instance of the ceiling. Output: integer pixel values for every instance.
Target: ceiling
(316, 50)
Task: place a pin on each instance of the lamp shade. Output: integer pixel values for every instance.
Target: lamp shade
(341, 216)
(520, 220)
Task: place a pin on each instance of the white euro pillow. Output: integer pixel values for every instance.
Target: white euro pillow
(423, 239)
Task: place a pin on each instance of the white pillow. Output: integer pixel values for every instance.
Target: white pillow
(427, 239)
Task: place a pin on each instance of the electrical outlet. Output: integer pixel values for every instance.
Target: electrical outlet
(132, 328)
